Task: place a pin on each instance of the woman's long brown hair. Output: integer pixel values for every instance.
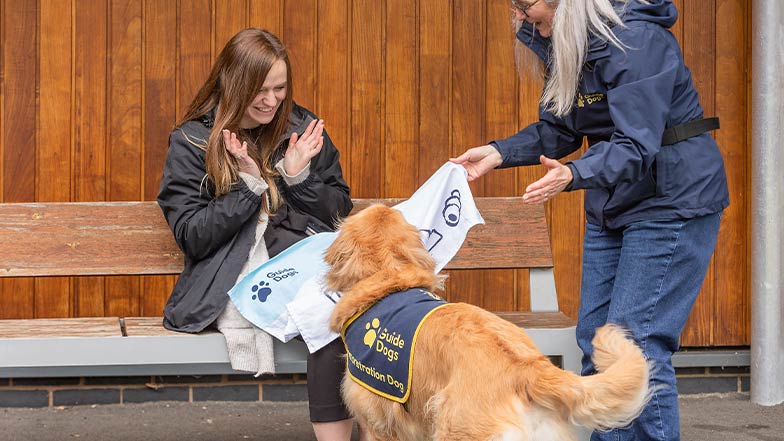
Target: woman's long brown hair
(236, 78)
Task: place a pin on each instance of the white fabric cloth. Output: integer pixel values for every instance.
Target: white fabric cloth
(443, 209)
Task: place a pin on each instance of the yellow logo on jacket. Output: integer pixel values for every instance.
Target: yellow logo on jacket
(589, 98)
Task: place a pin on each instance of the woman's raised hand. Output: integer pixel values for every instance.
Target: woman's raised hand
(240, 152)
(303, 147)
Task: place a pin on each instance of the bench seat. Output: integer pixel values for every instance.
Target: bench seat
(131, 238)
(103, 347)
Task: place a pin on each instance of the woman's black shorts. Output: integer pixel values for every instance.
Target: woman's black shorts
(326, 369)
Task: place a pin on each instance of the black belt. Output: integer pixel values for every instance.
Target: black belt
(687, 130)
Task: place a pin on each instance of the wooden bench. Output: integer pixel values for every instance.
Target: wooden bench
(131, 238)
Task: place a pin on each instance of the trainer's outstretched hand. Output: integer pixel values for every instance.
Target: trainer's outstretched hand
(558, 176)
(479, 160)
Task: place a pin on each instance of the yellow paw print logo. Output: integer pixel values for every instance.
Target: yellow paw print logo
(370, 335)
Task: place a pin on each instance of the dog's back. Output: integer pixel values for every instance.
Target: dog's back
(477, 376)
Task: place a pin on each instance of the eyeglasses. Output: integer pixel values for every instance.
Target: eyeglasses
(524, 7)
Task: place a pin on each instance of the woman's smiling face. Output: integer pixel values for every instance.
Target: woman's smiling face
(266, 103)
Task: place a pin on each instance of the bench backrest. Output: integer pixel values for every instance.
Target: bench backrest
(132, 238)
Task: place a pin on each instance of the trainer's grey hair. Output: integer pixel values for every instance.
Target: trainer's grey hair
(573, 23)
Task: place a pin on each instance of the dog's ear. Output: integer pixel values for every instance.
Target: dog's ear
(347, 263)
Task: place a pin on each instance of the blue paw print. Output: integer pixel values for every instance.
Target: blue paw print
(263, 291)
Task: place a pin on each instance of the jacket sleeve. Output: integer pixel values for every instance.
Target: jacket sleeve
(550, 136)
(201, 224)
(641, 84)
(324, 193)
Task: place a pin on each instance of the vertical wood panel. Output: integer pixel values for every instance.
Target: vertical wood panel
(500, 122)
(19, 71)
(267, 14)
(468, 110)
(332, 86)
(566, 221)
(401, 99)
(366, 168)
(89, 151)
(529, 91)
(231, 16)
(731, 317)
(299, 27)
(125, 101)
(125, 133)
(159, 117)
(194, 37)
(699, 51)
(435, 85)
(53, 294)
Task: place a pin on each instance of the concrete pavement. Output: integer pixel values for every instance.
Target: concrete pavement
(729, 417)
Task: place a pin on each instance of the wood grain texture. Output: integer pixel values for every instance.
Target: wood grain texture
(153, 326)
(53, 297)
(401, 98)
(195, 46)
(731, 316)
(125, 132)
(90, 144)
(365, 161)
(435, 86)
(19, 70)
(159, 117)
(333, 81)
(699, 50)
(230, 17)
(111, 238)
(301, 39)
(468, 108)
(47, 328)
(500, 287)
(131, 238)
(266, 14)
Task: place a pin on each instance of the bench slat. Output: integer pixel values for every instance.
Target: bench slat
(72, 327)
(75, 238)
(132, 238)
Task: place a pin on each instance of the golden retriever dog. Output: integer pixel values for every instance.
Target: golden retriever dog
(474, 376)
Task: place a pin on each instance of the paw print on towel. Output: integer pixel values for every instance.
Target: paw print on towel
(262, 291)
(370, 335)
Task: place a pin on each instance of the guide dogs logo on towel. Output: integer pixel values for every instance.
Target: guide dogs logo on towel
(380, 341)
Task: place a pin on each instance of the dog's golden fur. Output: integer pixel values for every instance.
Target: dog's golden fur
(475, 376)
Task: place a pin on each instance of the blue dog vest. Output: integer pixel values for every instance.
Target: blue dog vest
(380, 341)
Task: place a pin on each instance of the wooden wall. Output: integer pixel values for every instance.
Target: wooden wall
(90, 90)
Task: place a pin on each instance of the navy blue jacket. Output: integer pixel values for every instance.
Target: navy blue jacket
(626, 99)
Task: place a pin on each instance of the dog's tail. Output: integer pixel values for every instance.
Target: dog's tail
(612, 398)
